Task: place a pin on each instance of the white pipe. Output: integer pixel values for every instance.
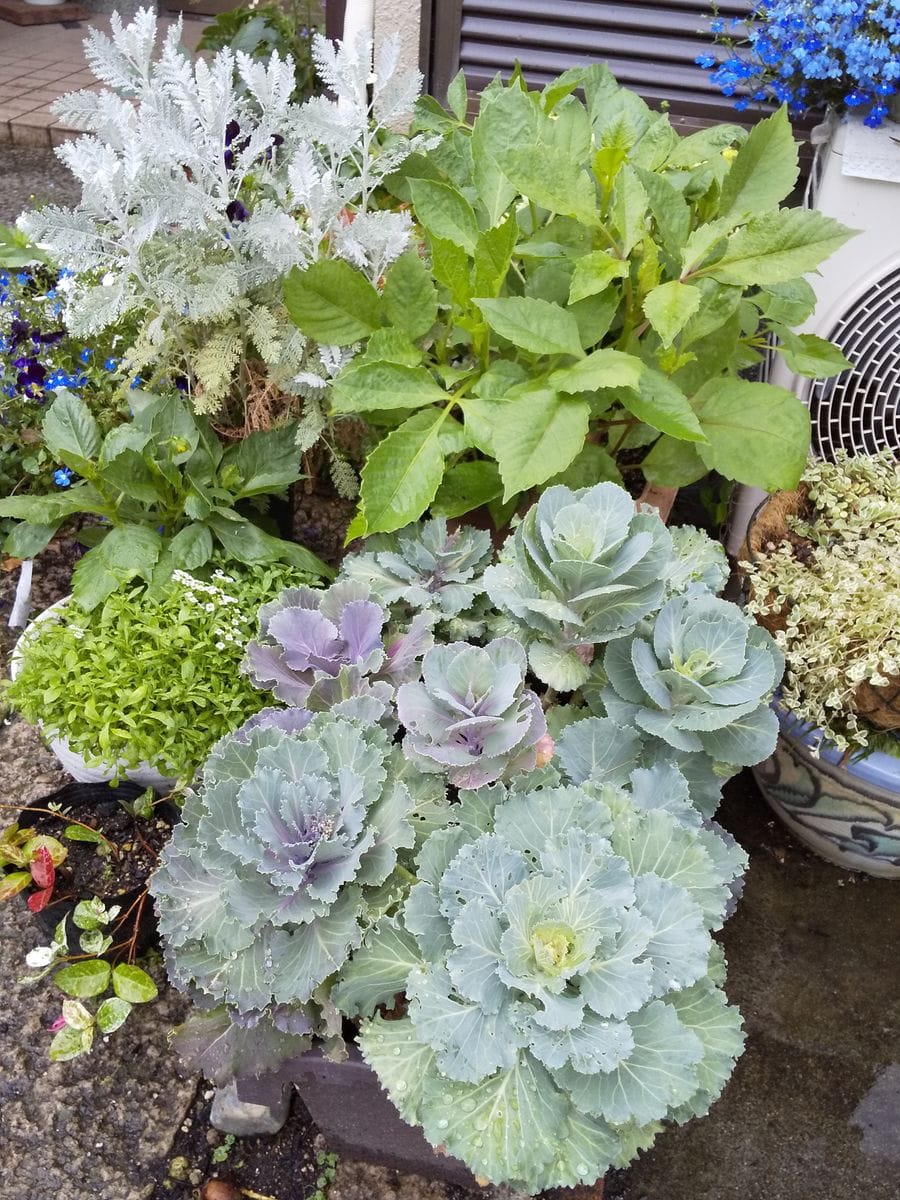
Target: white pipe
(359, 17)
(19, 614)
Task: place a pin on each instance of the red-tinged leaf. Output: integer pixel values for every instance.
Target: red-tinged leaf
(38, 900)
(43, 871)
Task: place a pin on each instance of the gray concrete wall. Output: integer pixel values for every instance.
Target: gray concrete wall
(404, 17)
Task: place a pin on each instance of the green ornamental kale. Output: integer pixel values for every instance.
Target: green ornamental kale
(583, 567)
(702, 682)
(267, 884)
(563, 989)
(471, 715)
(424, 567)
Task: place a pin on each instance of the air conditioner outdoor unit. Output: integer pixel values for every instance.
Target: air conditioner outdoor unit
(856, 179)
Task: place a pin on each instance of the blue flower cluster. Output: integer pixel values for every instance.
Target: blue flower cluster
(841, 54)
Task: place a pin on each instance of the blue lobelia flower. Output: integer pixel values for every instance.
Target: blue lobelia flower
(62, 477)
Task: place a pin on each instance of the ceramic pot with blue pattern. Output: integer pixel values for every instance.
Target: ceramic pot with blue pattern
(848, 814)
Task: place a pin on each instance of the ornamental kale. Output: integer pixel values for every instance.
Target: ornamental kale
(582, 568)
(471, 715)
(424, 567)
(701, 683)
(841, 54)
(271, 878)
(320, 648)
(563, 988)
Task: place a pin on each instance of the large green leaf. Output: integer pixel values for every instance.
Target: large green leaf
(126, 551)
(45, 510)
(669, 306)
(779, 246)
(129, 473)
(191, 547)
(243, 540)
(466, 486)
(814, 357)
(401, 1062)
(553, 179)
(661, 403)
(764, 171)
(535, 325)
(507, 118)
(402, 473)
(493, 253)
(505, 1127)
(385, 385)
(602, 369)
(670, 211)
(594, 272)
(659, 1073)
(629, 210)
(332, 302)
(410, 297)
(758, 434)
(266, 462)
(445, 213)
(378, 970)
(71, 432)
(28, 540)
(536, 435)
(452, 267)
(673, 463)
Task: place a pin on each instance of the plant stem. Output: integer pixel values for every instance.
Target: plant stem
(114, 849)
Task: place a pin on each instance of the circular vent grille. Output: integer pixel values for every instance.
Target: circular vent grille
(859, 411)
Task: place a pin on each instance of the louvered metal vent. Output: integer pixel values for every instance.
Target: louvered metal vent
(859, 411)
(649, 47)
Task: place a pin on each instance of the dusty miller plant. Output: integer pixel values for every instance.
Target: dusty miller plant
(203, 185)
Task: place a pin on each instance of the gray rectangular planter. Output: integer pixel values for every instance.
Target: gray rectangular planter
(346, 1102)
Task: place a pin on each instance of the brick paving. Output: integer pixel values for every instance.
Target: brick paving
(38, 64)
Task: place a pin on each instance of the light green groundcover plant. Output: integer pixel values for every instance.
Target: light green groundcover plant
(590, 284)
(143, 679)
(563, 991)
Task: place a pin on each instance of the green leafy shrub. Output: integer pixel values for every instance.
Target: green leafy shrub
(165, 490)
(263, 29)
(145, 678)
(590, 285)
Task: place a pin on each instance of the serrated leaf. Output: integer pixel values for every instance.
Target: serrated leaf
(506, 119)
(535, 325)
(84, 979)
(402, 473)
(71, 432)
(503, 1127)
(400, 1060)
(660, 1072)
(777, 247)
(764, 171)
(267, 461)
(410, 298)
(466, 486)
(191, 547)
(458, 96)
(673, 463)
(385, 386)
(811, 356)
(536, 435)
(551, 177)
(312, 952)
(758, 434)
(705, 1010)
(445, 213)
(126, 551)
(332, 302)
(669, 307)
(594, 272)
(132, 984)
(493, 253)
(602, 369)
(660, 403)
(378, 970)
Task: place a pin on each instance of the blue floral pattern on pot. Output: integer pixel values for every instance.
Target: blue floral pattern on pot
(848, 814)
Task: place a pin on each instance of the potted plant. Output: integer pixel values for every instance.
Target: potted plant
(841, 57)
(89, 851)
(143, 685)
(588, 291)
(478, 826)
(822, 569)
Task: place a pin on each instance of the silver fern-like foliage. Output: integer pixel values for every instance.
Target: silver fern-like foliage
(203, 185)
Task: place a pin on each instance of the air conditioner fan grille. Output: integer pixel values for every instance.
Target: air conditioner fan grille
(859, 410)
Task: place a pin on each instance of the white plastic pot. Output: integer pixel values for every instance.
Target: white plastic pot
(143, 775)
